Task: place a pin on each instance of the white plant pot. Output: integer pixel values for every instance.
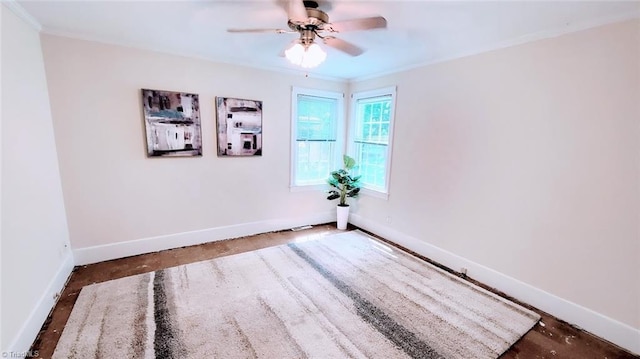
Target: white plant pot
(343, 216)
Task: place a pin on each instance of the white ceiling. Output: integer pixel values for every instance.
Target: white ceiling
(418, 32)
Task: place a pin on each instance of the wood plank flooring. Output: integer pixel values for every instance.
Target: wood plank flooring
(556, 339)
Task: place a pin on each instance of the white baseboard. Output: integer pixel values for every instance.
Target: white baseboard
(117, 250)
(31, 327)
(607, 328)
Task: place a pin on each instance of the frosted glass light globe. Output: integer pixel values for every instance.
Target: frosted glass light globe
(295, 54)
(313, 57)
(310, 57)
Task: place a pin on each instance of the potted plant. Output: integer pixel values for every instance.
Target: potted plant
(343, 185)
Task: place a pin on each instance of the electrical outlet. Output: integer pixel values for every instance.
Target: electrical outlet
(388, 219)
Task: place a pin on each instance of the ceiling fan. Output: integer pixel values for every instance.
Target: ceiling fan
(310, 22)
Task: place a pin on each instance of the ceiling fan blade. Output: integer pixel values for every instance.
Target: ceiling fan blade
(367, 23)
(343, 46)
(277, 31)
(297, 11)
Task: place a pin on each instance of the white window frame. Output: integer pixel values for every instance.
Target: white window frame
(340, 135)
(361, 95)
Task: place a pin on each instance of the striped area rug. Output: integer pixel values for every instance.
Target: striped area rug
(342, 296)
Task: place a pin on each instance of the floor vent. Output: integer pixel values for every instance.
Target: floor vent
(295, 229)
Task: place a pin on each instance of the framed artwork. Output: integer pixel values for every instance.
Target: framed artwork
(239, 127)
(172, 123)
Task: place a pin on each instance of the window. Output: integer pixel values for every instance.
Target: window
(317, 123)
(370, 137)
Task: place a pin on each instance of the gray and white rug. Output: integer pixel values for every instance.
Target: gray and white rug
(343, 296)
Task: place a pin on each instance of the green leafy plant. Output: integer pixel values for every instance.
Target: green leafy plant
(343, 183)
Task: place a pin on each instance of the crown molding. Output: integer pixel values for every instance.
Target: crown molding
(22, 13)
(137, 46)
(541, 35)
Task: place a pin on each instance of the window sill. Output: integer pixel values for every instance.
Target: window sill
(323, 187)
(374, 193)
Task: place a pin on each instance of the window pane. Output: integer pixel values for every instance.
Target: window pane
(314, 161)
(373, 116)
(385, 130)
(372, 163)
(316, 118)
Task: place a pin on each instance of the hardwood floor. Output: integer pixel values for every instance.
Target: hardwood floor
(554, 339)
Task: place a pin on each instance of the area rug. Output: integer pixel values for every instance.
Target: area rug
(341, 296)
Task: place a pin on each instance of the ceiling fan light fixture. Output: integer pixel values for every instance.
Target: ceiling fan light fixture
(307, 57)
(309, 21)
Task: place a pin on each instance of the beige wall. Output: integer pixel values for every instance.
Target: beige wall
(34, 227)
(527, 161)
(114, 193)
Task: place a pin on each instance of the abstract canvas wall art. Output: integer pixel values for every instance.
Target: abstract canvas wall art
(172, 123)
(239, 127)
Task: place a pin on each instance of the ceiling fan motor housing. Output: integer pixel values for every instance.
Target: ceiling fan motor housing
(316, 18)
